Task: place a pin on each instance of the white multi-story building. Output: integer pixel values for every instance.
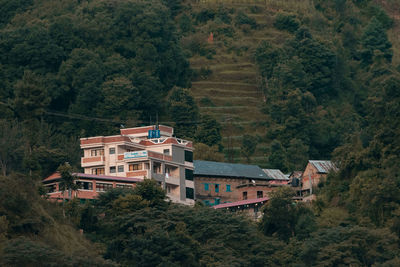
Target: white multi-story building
(144, 152)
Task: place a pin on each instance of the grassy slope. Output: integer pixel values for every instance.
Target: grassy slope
(231, 92)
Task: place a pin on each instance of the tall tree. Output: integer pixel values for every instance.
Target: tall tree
(375, 38)
(67, 182)
(208, 131)
(10, 145)
(184, 112)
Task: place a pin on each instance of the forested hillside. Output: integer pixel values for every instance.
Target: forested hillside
(279, 82)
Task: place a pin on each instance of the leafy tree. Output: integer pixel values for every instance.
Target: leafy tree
(285, 218)
(67, 181)
(121, 98)
(205, 152)
(10, 145)
(286, 22)
(276, 158)
(351, 245)
(208, 131)
(31, 97)
(375, 38)
(249, 144)
(150, 191)
(184, 112)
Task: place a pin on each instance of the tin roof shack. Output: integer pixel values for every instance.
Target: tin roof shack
(315, 172)
(218, 182)
(249, 207)
(89, 185)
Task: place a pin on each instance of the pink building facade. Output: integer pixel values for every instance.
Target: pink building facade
(150, 152)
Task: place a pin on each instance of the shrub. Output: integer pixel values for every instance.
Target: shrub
(286, 22)
(242, 19)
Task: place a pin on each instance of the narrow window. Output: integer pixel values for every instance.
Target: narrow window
(112, 169)
(84, 185)
(217, 201)
(98, 171)
(228, 188)
(216, 188)
(112, 150)
(244, 195)
(188, 156)
(259, 194)
(102, 187)
(135, 167)
(189, 174)
(121, 168)
(206, 188)
(189, 193)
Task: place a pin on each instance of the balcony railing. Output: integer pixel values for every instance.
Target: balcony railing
(139, 173)
(172, 180)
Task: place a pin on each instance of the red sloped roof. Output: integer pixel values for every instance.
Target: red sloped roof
(241, 203)
(54, 176)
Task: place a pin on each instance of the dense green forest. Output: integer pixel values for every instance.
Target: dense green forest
(328, 86)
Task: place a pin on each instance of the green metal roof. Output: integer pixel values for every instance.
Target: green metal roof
(212, 168)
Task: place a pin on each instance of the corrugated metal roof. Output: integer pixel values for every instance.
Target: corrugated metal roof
(275, 174)
(212, 168)
(323, 166)
(241, 203)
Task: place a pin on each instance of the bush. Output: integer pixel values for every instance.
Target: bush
(204, 15)
(286, 22)
(242, 19)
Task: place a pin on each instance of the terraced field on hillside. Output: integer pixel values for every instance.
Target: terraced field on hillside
(232, 93)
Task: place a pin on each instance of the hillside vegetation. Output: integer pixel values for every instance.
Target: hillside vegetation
(281, 82)
(255, 61)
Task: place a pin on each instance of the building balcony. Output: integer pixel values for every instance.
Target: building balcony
(92, 161)
(138, 174)
(172, 180)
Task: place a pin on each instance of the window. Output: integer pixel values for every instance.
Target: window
(121, 168)
(98, 171)
(188, 156)
(217, 201)
(123, 186)
(259, 194)
(102, 187)
(228, 188)
(244, 195)
(112, 150)
(207, 202)
(135, 167)
(166, 151)
(51, 188)
(113, 169)
(84, 185)
(206, 188)
(97, 152)
(189, 174)
(189, 193)
(216, 188)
